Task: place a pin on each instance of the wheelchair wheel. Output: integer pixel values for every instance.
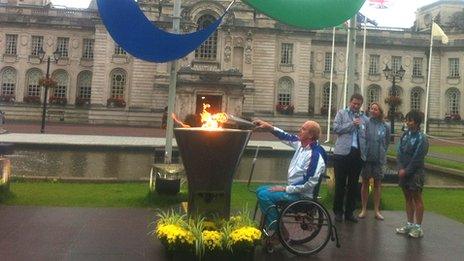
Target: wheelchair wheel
(304, 227)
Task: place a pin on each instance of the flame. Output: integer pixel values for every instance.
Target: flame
(212, 121)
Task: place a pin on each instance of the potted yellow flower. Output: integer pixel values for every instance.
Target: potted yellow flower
(198, 239)
(173, 232)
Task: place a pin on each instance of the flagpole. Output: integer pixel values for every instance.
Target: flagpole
(329, 111)
(345, 84)
(427, 91)
(172, 89)
(363, 58)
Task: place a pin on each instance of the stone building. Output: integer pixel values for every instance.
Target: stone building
(248, 67)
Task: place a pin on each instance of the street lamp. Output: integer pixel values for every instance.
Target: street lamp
(393, 99)
(56, 57)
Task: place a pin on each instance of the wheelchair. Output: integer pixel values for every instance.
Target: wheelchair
(303, 227)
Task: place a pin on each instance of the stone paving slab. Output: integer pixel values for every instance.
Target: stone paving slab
(51, 233)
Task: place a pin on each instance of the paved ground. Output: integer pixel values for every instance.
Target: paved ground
(40, 233)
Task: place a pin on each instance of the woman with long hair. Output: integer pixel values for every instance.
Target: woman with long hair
(377, 140)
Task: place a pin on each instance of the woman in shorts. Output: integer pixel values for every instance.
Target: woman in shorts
(377, 140)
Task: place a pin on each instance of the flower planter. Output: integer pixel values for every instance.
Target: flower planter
(167, 186)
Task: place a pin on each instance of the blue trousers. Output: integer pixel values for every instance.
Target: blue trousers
(267, 198)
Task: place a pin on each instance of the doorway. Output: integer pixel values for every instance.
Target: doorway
(214, 100)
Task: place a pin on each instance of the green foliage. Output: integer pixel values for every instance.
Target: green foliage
(447, 202)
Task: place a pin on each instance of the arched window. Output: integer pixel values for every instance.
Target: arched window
(84, 85)
(311, 98)
(416, 98)
(207, 50)
(118, 84)
(61, 78)
(326, 95)
(284, 91)
(453, 97)
(8, 82)
(33, 88)
(373, 94)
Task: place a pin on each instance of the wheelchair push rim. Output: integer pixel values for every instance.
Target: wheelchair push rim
(305, 227)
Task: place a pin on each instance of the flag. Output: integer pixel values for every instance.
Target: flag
(380, 4)
(438, 32)
(363, 19)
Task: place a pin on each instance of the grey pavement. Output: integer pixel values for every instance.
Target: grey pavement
(50, 233)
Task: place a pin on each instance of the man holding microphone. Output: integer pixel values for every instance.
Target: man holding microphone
(349, 155)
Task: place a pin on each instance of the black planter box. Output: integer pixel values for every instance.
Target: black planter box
(167, 186)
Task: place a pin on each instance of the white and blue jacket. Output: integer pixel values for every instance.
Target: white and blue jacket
(307, 165)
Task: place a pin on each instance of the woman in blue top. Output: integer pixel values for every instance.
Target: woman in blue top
(377, 139)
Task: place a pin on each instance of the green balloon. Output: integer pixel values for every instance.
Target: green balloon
(308, 14)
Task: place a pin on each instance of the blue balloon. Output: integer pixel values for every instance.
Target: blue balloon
(138, 36)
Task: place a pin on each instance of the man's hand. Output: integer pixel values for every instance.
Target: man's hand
(277, 189)
(357, 122)
(260, 124)
(402, 173)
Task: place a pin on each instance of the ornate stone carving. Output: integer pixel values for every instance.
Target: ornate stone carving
(249, 48)
(238, 41)
(75, 43)
(49, 41)
(227, 53)
(24, 40)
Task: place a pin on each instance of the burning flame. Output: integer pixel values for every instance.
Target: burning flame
(212, 121)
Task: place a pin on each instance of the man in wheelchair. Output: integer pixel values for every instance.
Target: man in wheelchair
(307, 165)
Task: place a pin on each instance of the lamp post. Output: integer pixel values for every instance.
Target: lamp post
(394, 98)
(56, 57)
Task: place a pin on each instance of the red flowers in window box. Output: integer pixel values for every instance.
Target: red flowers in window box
(8, 98)
(285, 109)
(82, 101)
(116, 102)
(32, 99)
(57, 100)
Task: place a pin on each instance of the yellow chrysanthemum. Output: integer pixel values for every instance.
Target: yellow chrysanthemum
(245, 235)
(212, 239)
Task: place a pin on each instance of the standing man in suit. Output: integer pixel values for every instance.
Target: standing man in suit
(349, 155)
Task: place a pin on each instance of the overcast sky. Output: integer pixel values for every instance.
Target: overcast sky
(401, 13)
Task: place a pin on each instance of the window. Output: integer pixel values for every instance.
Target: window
(37, 45)
(396, 63)
(84, 85)
(87, 50)
(311, 62)
(328, 62)
(416, 98)
(63, 46)
(284, 92)
(453, 97)
(118, 50)
(417, 67)
(373, 94)
(11, 44)
(33, 87)
(61, 78)
(208, 49)
(8, 82)
(374, 64)
(453, 67)
(286, 54)
(326, 95)
(118, 84)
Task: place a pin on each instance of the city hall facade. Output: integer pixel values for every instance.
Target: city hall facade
(251, 66)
